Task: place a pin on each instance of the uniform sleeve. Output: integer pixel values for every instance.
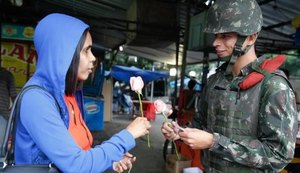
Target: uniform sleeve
(277, 128)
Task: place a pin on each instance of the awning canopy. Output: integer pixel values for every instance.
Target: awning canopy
(123, 73)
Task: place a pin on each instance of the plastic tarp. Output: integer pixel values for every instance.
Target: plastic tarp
(123, 73)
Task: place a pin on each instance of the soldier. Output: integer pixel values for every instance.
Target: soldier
(247, 120)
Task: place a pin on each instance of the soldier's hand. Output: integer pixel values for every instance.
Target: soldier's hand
(196, 139)
(168, 131)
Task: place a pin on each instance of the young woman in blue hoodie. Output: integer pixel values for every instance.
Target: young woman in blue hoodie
(48, 134)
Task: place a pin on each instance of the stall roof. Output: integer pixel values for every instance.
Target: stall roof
(123, 73)
(110, 24)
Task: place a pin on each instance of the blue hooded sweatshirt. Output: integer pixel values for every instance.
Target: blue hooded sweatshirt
(42, 135)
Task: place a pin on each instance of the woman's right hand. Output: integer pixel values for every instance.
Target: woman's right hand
(125, 163)
(139, 127)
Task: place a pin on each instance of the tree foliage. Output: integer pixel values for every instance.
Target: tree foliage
(292, 63)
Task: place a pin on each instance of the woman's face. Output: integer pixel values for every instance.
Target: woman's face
(86, 59)
(224, 43)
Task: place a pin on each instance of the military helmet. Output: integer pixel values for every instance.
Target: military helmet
(241, 16)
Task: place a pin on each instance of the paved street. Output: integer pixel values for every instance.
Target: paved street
(149, 160)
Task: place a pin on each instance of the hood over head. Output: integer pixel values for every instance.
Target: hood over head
(55, 39)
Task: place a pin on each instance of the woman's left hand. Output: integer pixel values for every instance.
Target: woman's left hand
(125, 163)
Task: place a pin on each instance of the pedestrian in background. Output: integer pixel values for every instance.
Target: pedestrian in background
(8, 92)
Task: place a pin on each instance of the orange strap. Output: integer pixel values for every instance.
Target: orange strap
(77, 126)
(269, 65)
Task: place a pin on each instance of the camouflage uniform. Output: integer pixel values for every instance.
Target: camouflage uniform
(254, 130)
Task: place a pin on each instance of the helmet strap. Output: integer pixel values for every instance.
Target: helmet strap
(237, 52)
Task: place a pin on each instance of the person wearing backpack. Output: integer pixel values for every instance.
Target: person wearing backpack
(50, 128)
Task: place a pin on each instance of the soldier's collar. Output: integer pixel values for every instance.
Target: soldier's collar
(248, 68)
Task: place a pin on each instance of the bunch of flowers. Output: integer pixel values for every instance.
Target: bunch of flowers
(165, 110)
(137, 84)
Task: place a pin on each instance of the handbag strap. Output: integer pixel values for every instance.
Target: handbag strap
(12, 125)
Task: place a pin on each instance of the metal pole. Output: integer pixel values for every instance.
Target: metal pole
(185, 46)
(0, 44)
(174, 95)
(205, 69)
(152, 85)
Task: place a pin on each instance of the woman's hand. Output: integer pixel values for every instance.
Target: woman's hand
(139, 127)
(196, 139)
(125, 163)
(168, 131)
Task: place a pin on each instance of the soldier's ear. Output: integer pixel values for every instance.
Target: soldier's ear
(251, 39)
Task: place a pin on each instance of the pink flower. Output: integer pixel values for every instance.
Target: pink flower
(168, 110)
(165, 110)
(160, 106)
(136, 84)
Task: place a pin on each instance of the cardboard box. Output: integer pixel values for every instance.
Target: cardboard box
(173, 165)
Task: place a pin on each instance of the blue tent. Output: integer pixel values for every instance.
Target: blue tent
(123, 73)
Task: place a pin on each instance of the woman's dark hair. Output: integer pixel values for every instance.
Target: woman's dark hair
(71, 82)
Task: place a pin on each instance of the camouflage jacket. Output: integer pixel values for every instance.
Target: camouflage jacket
(255, 129)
